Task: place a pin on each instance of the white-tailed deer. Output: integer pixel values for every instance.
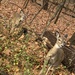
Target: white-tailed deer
(55, 56)
(16, 20)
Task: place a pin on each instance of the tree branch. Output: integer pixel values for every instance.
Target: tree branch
(25, 4)
(63, 6)
(37, 14)
(50, 20)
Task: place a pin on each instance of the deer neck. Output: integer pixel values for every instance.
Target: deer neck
(56, 47)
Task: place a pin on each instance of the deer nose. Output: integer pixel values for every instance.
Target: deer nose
(62, 45)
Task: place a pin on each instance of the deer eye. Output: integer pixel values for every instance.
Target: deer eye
(59, 39)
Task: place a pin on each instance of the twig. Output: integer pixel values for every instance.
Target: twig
(68, 14)
(25, 4)
(62, 4)
(17, 6)
(48, 70)
(37, 14)
(50, 20)
(44, 67)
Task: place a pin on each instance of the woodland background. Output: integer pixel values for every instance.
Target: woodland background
(20, 52)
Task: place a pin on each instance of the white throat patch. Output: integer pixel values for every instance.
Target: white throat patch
(56, 45)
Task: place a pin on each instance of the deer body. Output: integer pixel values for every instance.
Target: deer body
(55, 56)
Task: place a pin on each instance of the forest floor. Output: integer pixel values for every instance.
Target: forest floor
(24, 56)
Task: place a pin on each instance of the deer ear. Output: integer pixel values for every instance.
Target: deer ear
(57, 34)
